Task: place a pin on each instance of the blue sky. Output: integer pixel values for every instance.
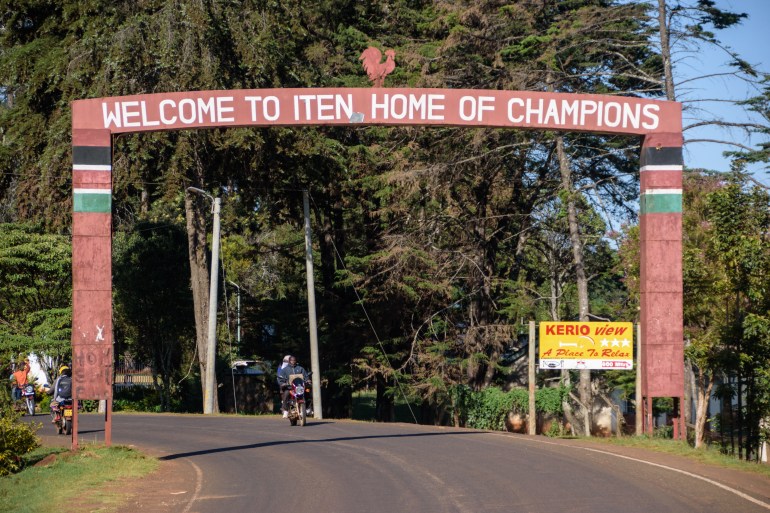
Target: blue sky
(751, 40)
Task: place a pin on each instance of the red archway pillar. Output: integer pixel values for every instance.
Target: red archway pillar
(92, 352)
(660, 213)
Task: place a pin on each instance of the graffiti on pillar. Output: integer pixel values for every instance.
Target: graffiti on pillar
(92, 371)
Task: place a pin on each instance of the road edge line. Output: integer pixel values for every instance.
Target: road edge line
(673, 469)
(198, 486)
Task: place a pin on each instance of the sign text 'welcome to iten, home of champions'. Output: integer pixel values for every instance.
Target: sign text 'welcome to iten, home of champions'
(379, 106)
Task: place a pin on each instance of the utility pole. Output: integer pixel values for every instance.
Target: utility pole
(315, 366)
(211, 348)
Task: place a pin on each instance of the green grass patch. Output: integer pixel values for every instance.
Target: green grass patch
(710, 455)
(40, 454)
(80, 478)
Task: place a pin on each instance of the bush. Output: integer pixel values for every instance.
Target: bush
(45, 403)
(143, 399)
(488, 408)
(550, 400)
(89, 405)
(16, 439)
(555, 430)
(5, 397)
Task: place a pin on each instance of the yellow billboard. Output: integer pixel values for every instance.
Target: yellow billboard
(586, 345)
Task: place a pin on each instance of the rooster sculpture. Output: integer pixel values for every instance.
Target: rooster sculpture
(376, 69)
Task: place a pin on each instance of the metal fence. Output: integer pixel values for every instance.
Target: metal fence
(130, 372)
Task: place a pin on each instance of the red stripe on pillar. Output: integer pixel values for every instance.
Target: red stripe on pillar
(91, 137)
(91, 179)
(661, 180)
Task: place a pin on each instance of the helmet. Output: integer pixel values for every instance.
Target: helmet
(63, 368)
(286, 358)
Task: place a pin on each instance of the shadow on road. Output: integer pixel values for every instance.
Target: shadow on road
(320, 440)
(90, 431)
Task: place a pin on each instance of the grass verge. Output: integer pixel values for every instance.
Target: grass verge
(78, 480)
(709, 455)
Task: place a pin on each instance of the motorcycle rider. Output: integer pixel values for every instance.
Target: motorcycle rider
(19, 379)
(284, 363)
(62, 387)
(283, 381)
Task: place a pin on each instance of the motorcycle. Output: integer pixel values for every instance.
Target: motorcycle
(28, 397)
(296, 403)
(62, 417)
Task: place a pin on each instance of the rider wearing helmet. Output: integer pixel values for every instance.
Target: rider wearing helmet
(283, 381)
(62, 387)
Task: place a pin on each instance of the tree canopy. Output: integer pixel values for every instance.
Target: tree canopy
(35, 292)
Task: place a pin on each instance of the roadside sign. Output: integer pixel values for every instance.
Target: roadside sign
(587, 345)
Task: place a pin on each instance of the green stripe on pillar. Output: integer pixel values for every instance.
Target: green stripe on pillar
(669, 203)
(86, 202)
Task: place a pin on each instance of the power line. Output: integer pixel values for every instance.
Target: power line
(374, 331)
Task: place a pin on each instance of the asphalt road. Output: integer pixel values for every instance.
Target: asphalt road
(240, 464)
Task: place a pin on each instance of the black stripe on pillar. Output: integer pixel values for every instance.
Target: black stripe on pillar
(662, 157)
(92, 155)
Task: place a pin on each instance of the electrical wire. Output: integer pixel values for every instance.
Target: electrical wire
(192, 362)
(371, 325)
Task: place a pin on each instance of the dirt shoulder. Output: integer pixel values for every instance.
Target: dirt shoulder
(170, 489)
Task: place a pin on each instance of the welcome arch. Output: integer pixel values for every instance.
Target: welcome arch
(659, 123)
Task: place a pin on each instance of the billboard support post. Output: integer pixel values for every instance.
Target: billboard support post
(532, 422)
